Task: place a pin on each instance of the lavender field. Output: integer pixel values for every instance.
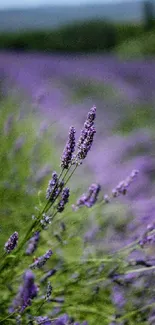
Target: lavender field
(102, 244)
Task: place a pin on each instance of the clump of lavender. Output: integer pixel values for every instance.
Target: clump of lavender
(86, 138)
(40, 261)
(11, 243)
(26, 293)
(69, 149)
(52, 190)
(148, 238)
(88, 199)
(122, 187)
(32, 244)
(64, 199)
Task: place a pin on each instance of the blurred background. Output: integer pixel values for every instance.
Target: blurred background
(58, 58)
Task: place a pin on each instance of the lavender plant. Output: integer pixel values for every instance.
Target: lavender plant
(86, 283)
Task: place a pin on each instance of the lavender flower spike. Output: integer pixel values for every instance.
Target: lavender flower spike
(11, 243)
(52, 189)
(32, 243)
(40, 261)
(87, 125)
(86, 138)
(43, 320)
(69, 149)
(88, 199)
(26, 292)
(64, 199)
(122, 187)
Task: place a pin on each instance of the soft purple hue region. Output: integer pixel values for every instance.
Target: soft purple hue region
(88, 199)
(32, 244)
(11, 244)
(52, 189)
(64, 199)
(26, 293)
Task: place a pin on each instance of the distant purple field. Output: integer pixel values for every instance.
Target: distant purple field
(136, 78)
(48, 81)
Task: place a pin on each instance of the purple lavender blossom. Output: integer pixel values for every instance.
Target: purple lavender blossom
(88, 199)
(64, 199)
(48, 275)
(26, 293)
(32, 243)
(85, 147)
(88, 123)
(122, 187)
(43, 320)
(52, 190)
(86, 138)
(62, 320)
(69, 149)
(148, 238)
(40, 261)
(11, 243)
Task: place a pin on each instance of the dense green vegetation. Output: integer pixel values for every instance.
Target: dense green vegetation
(88, 36)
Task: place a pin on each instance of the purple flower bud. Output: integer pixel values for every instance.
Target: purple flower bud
(62, 320)
(122, 187)
(48, 275)
(11, 243)
(69, 149)
(26, 292)
(40, 261)
(52, 189)
(43, 320)
(88, 199)
(85, 147)
(64, 199)
(32, 244)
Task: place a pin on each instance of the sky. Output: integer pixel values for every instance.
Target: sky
(33, 3)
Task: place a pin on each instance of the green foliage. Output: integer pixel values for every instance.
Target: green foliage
(141, 117)
(128, 39)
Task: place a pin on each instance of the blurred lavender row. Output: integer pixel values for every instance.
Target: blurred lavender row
(50, 81)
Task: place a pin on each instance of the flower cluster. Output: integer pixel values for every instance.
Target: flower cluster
(122, 187)
(26, 293)
(86, 137)
(11, 243)
(52, 189)
(32, 244)
(88, 199)
(69, 149)
(64, 199)
(40, 261)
